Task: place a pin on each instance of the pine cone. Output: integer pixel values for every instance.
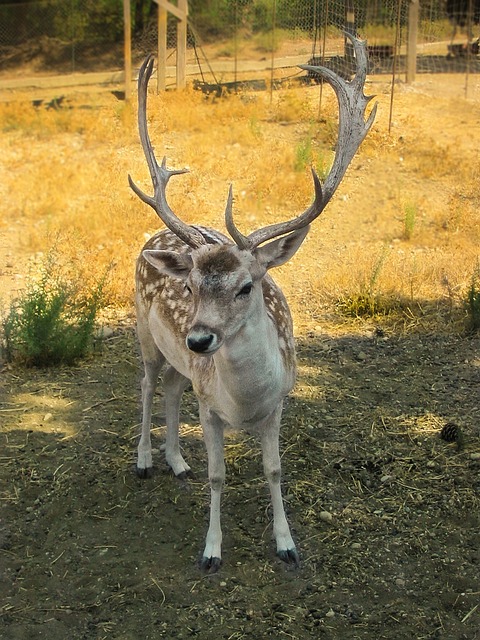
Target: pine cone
(451, 432)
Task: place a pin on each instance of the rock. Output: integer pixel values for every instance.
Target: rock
(326, 516)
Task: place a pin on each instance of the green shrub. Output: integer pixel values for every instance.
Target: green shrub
(473, 301)
(409, 219)
(52, 321)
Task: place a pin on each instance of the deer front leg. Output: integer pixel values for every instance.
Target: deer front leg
(149, 384)
(213, 434)
(271, 463)
(174, 384)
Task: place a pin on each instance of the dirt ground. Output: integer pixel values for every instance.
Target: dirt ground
(385, 513)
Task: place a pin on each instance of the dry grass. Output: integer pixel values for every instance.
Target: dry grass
(65, 171)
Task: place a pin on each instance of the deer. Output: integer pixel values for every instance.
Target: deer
(209, 311)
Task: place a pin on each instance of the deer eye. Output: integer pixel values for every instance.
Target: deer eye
(245, 290)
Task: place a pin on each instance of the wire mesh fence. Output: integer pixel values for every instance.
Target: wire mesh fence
(238, 37)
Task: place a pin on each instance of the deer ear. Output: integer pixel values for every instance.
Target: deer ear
(177, 265)
(280, 250)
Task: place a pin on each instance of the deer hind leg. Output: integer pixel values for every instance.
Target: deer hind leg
(174, 384)
(213, 429)
(271, 463)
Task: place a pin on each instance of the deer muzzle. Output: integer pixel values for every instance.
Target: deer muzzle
(203, 340)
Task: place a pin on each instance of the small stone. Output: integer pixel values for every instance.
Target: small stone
(361, 355)
(330, 613)
(475, 456)
(47, 417)
(103, 333)
(326, 516)
(385, 479)
(356, 545)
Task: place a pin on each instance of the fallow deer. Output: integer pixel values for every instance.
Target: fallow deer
(207, 307)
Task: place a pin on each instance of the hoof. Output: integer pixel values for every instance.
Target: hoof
(290, 557)
(185, 475)
(144, 473)
(210, 565)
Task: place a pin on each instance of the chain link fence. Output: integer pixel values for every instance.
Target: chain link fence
(237, 37)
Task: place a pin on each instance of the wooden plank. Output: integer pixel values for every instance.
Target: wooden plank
(162, 49)
(127, 44)
(180, 12)
(413, 11)
(182, 46)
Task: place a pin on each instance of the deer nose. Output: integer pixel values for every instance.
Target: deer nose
(202, 340)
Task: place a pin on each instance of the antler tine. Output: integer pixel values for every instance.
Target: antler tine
(240, 240)
(352, 130)
(160, 174)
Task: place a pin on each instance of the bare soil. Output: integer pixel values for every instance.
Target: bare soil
(385, 512)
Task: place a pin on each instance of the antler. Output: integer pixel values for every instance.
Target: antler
(352, 130)
(160, 174)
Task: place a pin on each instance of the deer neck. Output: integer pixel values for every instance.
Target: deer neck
(251, 372)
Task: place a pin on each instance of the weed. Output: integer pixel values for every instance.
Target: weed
(473, 300)
(303, 154)
(52, 321)
(367, 302)
(409, 218)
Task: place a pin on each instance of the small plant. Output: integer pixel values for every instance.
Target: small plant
(52, 321)
(473, 300)
(409, 218)
(303, 154)
(367, 302)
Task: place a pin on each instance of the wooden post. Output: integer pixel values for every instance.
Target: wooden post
(350, 27)
(182, 46)
(413, 11)
(127, 47)
(180, 11)
(162, 49)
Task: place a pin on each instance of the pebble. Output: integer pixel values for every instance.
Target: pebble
(47, 417)
(330, 613)
(475, 456)
(326, 516)
(356, 545)
(104, 332)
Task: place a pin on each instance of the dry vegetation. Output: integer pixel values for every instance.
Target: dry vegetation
(385, 512)
(64, 172)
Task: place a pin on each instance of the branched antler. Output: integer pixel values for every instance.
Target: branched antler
(352, 130)
(160, 174)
